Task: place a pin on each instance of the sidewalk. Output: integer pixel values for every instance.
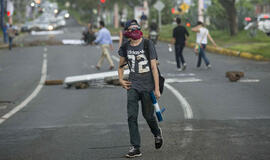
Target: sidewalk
(2, 44)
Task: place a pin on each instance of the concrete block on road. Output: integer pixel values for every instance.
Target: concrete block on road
(53, 82)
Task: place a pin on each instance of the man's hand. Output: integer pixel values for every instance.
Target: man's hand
(125, 84)
(157, 94)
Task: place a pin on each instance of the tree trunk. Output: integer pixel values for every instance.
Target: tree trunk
(229, 6)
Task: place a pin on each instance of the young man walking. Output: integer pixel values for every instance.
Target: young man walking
(180, 35)
(104, 39)
(202, 34)
(143, 79)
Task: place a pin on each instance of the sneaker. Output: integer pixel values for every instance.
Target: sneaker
(134, 152)
(159, 140)
(184, 66)
(209, 66)
(179, 69)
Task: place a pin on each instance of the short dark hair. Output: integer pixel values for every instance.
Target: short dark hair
(178, 20)
(101, 23)
(200, 23)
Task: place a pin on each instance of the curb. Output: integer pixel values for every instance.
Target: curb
(3, 46)
(228, 52)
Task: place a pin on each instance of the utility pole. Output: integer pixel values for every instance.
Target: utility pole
(2, 17)
(200, 10)
(116, 15)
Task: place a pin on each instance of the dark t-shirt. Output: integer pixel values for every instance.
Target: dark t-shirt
(140, 74)
(180, 33)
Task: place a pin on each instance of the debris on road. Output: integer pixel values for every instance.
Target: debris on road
(53, 82)
(114, 80)
(234, 76)
(81, 85)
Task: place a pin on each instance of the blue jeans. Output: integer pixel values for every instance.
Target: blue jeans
(133, 97)
(202, 56)
(179, 55)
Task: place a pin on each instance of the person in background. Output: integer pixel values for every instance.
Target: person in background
(143, 19)
(11, 34)
(122, 38)
(201, 39)
(5, 34)
(89, 34)
(180, 35)
(153, 31)
(105, 40)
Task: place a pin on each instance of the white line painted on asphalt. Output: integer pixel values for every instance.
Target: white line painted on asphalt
(73, 41)
(171, 62)
(3, 107)
(179, 74)
(249, 80)
(115, 58)
(47, 32)
(185, 105)
(174, 80)
(32, 96)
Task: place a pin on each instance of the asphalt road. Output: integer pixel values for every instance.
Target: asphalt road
(230, 121)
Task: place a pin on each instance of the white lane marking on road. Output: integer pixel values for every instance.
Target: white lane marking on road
(3, 107)
(179, 74)
(249, 80)
(32, 96)
(171, 62)
(73, 41)
(115, 58)
(185, 105)
(47, 32)
(174, 80)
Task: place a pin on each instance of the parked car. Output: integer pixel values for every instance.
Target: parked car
(27, 27)
(64, 14)
(264, 23)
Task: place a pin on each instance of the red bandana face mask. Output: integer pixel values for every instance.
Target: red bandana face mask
(135, 35)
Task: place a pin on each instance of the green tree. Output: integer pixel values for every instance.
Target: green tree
(230, 8)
